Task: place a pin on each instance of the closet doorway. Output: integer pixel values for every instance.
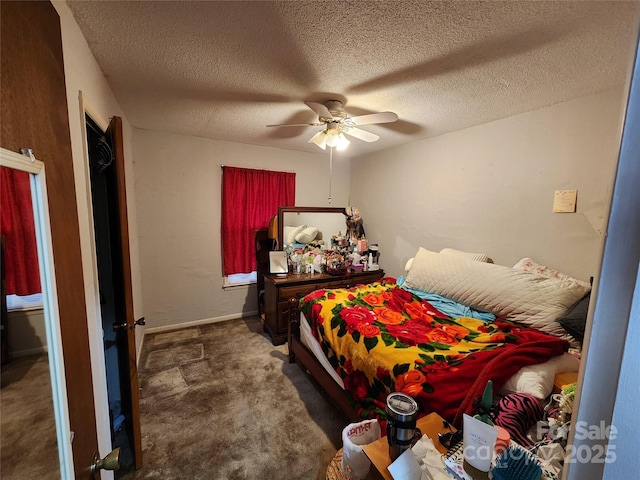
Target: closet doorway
(111, 237)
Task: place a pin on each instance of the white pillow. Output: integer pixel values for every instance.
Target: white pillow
(528, 298)
(307, 235)
(286, 233)
(407, 265)
(291, 232)
(537, 380)
(478, 257)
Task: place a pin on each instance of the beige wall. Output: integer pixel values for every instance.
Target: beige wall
(177, 187)
(485, 189)
(490, 188)
(26, 332)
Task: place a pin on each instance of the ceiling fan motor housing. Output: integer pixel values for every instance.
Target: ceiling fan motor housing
(335, 108)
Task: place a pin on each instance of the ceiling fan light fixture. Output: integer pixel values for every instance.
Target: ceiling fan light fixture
(343, 142)
(333, 135)
(319, 139)
(332, 139)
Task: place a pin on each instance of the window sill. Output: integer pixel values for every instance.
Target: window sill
(26, 303)
(228, 286)
(239, 280)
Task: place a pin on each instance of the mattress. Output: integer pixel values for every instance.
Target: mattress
(314, 347)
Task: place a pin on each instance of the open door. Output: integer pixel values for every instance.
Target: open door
(126, 328)
(111, 235)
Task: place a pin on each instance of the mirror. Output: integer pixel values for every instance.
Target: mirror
(52, 372)
(328, 220)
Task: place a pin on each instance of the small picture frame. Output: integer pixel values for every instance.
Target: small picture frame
(278, 262)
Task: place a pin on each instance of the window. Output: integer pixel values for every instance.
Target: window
(249, 199)
(26, 302)
(18, 234)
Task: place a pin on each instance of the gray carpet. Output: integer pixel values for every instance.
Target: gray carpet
(220, 402)
(28, 445)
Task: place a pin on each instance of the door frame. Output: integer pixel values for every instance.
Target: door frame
(98, 368)
(103, 422)
(39, 199)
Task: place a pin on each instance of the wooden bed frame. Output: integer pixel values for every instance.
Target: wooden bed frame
(307, 360)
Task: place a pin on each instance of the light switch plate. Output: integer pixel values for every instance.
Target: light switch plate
(564, 201)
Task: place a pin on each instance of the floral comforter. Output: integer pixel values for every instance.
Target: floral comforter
(381, 338)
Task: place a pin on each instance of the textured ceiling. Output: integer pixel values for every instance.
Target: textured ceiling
(224, 70)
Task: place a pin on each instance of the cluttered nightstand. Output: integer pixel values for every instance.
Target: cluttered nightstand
(563, 380)
(378, 452)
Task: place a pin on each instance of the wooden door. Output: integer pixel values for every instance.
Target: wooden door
(129, 344)
(33, 108)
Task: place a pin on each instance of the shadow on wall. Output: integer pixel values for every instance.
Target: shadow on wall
(26, 332)
(250, 305)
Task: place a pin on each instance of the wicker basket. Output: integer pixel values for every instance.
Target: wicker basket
(334, 469)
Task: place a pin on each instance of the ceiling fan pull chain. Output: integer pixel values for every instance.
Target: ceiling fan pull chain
(330, 171)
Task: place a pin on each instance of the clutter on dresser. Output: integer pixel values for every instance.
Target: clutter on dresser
(344, 255)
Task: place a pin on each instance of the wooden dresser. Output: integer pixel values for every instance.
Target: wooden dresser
(279, 289)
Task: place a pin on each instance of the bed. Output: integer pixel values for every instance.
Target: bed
(409, 334)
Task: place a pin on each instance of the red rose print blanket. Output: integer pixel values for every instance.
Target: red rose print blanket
(381, 338)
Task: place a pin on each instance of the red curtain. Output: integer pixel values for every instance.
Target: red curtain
(249, 199)
(18, 229)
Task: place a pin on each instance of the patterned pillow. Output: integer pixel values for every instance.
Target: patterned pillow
(517, 413)
(526, 264)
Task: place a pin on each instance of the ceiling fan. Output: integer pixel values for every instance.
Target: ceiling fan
(337, 123)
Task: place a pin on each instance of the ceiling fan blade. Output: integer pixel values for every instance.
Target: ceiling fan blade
(321, 110)
(361, 134)
(382, 117)
(296, 125)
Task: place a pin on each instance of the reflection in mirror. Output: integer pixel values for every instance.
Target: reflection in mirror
(33, 393)
(299, 224)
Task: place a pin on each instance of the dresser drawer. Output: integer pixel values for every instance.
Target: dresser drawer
(278, 291)
(285, 293)
(361, 279)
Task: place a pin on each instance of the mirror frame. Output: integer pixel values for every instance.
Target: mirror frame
(39, 197)
(283, 210)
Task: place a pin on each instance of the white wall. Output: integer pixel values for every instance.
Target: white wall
(177, 187)
(490, 188)
(82, 73)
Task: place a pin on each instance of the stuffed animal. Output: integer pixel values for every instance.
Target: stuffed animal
(355, 229)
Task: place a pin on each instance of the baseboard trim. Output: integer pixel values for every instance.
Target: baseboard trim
(195, 323)
(29, 351)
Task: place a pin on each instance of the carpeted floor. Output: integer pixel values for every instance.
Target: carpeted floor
(219, 401)
(28, 445)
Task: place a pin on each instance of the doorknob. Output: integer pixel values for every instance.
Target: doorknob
(110, 462)
(123, 326)
(119, 326)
